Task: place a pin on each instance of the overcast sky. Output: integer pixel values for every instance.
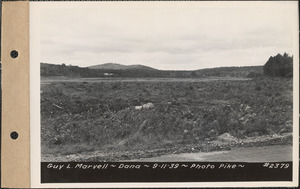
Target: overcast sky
(176, 38)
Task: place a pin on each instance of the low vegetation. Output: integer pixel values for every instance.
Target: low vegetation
(87, 116)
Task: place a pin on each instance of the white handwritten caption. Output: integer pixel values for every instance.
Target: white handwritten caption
(200, 166)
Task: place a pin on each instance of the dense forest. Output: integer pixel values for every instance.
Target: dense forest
(279, 66)
(76, 71)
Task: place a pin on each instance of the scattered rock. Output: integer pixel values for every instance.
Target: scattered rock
(145, 106)
(226, 137)
(138, 107)
(148, 105)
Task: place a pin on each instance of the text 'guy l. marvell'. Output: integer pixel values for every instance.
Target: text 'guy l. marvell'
(77, 166)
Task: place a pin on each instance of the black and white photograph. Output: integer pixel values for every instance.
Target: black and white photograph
(167, 85)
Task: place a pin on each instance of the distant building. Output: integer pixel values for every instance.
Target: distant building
(108, 74)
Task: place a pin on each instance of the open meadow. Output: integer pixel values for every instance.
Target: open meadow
(85, 116)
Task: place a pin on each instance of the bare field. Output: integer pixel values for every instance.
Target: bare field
(84, 116)
(49, 80)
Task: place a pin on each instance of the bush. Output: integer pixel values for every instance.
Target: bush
(279, 66)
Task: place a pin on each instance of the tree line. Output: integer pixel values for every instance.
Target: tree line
(279, 66)
(75, 71)
(276, 66)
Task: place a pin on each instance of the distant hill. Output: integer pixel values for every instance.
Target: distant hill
(115, 66)
(119, 70)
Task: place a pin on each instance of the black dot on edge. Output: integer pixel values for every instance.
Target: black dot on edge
(14, 54)
(14, 135)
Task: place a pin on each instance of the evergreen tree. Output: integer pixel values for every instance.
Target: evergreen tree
(279, 66)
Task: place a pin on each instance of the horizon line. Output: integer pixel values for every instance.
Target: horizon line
(149, 66)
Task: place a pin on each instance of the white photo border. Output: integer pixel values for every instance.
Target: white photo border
(37, 7)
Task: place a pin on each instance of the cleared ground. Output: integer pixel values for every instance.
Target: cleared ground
(49, 80)
(98, 119)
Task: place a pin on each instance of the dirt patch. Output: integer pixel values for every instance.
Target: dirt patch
(276, 153)
(208, 150)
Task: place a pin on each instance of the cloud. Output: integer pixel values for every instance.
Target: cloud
(173, 38)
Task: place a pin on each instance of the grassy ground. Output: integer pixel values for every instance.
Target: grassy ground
(79, 117)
